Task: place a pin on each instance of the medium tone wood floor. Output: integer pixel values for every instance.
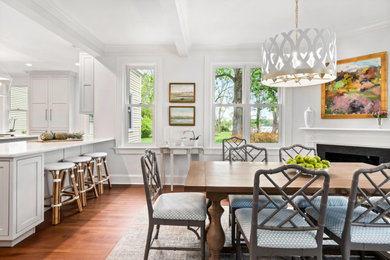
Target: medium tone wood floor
(91, 234)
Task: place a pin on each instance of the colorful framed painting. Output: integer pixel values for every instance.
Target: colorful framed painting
(181, 115)
(359, 89)
(182, 92)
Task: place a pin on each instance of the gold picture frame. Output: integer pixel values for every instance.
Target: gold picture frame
(182, 92)
(181, 115)
(359, 89)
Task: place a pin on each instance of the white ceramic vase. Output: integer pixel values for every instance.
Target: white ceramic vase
(309, 117)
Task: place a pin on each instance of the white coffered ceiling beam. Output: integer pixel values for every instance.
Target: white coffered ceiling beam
(176, 13)
(47, 14)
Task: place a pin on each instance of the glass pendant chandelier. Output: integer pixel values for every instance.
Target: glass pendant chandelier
(299, 57)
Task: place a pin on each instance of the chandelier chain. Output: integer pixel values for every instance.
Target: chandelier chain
(296, 20)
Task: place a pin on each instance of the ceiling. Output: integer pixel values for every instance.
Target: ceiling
(43, 32)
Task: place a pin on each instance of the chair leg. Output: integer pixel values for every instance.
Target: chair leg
(345, 253)
(202, 242)
(75, 190)
(99, 174)
(238, 245)
(148, 239)
(233, 225)
(107, 175)
(90, 173)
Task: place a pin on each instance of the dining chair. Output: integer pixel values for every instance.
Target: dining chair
(281, 231)
(248, 153)
(357, 227)
(228, 143)
(173, 209)
(290, 152)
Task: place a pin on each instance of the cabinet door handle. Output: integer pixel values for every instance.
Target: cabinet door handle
(51, 114)
(46, 114)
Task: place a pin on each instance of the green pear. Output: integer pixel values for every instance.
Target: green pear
(309, 166)
(317, 158)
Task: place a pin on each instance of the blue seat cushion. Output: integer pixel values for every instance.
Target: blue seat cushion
(180, 206)
(245, 201)
(383, 205)
(277, 239)
(335, 219)
(333, 201)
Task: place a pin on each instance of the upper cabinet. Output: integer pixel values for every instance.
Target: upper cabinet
(51, 101)
(87, 85)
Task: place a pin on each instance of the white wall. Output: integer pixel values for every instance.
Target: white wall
(125, 166)
(348, 46)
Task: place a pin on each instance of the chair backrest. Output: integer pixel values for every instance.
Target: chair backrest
(248, 153)
(286, 153)
(378, 179)
(284, 180)
(151, 177)
(228, 143)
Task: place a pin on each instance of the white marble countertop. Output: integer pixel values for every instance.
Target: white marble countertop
(16, 149)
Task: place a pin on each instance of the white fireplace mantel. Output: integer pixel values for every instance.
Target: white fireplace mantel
(366, 137)
(344, 129)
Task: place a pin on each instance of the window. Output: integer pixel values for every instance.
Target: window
(18, 108)
(139, 104)
(243, 107)
(90, 124)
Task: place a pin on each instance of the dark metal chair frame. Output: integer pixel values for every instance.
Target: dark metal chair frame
(241, 153)
(311, 176)
(228, 143)
(248, 152)
(297, 149)
(354, 202)
(153, 189)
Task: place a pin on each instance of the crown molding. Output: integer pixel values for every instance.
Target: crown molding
(50, 16)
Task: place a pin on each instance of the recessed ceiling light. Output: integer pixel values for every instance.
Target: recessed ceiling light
(28, 64)
(77, 64)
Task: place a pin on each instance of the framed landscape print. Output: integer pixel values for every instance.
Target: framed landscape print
(181, 116)
(182, 92)
(359, 89)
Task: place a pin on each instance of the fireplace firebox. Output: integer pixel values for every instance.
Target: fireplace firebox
(341, 153)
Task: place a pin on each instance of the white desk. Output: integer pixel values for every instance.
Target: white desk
(180, 150)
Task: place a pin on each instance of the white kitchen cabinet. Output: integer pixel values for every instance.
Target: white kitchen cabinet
(21, 198)
(51, 102)
(4, 198)
(29, 193)
(87, 85)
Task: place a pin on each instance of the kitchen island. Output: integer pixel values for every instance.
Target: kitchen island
(22, 181)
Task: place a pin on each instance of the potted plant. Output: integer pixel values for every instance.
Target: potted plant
(379, 115)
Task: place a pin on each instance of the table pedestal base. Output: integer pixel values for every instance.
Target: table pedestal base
(215, 233)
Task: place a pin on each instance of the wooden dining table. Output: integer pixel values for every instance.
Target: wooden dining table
(220, 178)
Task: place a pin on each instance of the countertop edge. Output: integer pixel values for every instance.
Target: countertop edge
(56, 146)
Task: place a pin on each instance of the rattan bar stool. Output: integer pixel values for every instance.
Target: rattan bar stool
(82, 164)
(59, 171)
(100, 159)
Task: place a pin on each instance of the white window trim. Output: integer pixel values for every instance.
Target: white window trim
(125, 64)
(246, 66)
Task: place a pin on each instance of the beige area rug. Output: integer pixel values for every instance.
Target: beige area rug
(132, 244)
